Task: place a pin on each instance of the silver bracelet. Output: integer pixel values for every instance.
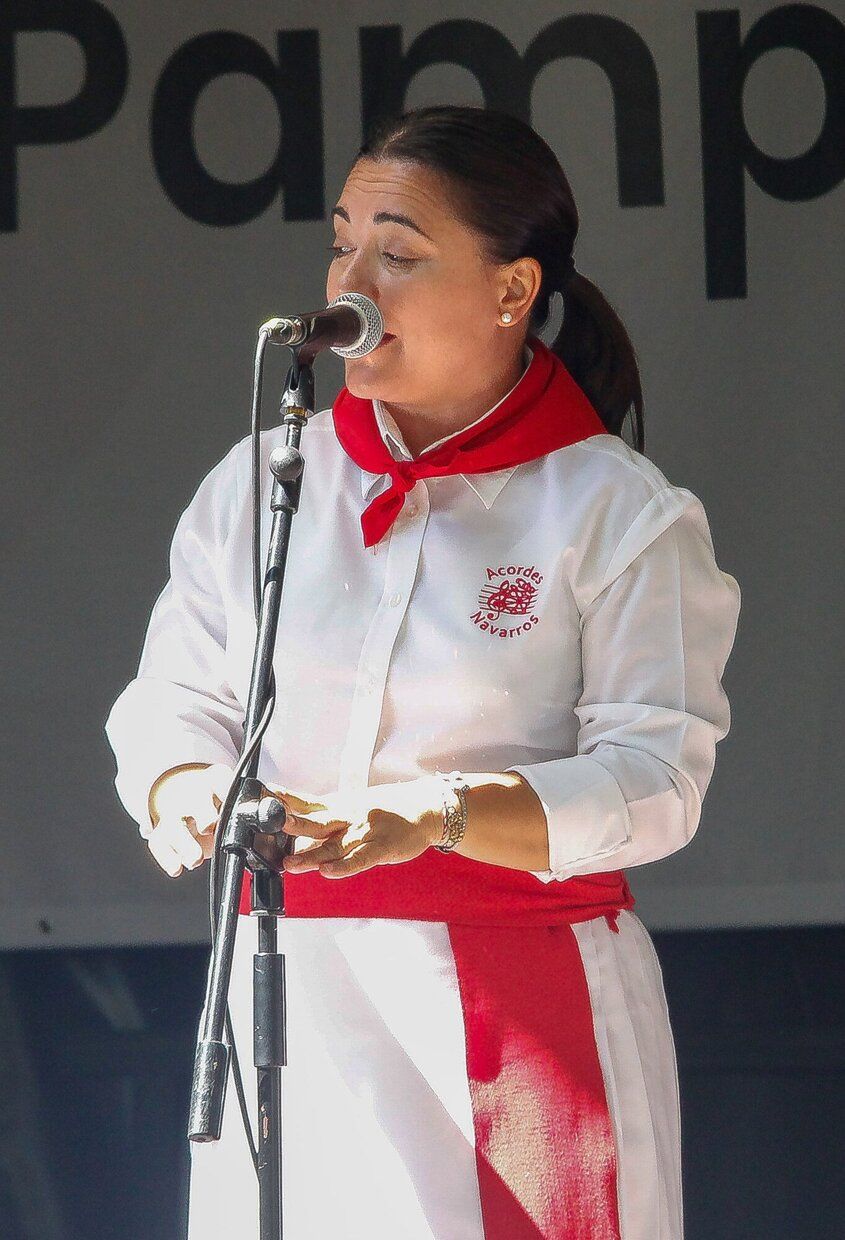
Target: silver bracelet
(454, 811)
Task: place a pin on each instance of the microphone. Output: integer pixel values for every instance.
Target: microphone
(350, 326)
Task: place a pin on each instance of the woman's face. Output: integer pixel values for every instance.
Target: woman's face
(400, 244)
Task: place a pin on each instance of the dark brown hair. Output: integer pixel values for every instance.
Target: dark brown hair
(510, 189)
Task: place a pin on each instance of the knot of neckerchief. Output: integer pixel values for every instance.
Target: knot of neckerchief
(544, 411)
(404, 476)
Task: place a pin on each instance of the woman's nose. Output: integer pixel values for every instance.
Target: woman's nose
(356, 277)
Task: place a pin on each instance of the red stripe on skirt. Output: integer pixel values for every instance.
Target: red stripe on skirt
(545, 1151)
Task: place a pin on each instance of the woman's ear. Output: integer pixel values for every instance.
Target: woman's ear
(519, 285)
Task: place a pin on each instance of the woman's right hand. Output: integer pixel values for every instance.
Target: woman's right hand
(185, 804)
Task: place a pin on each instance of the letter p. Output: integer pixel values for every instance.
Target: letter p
(728, 152)
(106, 73)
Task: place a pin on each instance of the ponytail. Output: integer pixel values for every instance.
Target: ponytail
(595, 348)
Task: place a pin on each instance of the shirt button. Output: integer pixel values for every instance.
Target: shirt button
(395, 599)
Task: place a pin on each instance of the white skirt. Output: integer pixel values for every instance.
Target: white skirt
(377, 1124)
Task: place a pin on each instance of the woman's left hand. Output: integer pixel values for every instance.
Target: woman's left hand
(351, 832)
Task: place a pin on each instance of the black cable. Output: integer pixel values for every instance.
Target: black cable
(255, 430)
(254, 740)
(213, 905)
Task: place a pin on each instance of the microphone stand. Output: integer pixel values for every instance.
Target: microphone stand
(249, 835)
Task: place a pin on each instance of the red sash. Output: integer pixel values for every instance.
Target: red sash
(544, 1145)
(447, 887)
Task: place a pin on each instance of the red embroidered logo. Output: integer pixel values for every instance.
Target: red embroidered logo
(506, 600)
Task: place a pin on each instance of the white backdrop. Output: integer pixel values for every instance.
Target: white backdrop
(133, 285)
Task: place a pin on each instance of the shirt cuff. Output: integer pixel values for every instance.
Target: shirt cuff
(586, 814)
(149, 744)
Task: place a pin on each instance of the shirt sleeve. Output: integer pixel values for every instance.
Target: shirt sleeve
(655, 639)
(180, 707)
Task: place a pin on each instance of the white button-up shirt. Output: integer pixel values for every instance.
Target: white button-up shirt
(565, 619)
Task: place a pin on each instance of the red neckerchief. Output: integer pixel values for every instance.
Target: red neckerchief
(546, 410)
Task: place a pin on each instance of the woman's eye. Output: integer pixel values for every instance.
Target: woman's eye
(339, 251)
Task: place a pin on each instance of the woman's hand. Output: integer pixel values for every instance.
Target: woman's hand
(347, 833)
(185, 804)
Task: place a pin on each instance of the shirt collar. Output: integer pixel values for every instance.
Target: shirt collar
(485, 485)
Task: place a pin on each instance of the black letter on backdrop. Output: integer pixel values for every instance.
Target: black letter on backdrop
(294, 83)
(506, 80)
(102, 91)
(727, 151)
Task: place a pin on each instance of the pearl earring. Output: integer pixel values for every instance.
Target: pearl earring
(507, 317)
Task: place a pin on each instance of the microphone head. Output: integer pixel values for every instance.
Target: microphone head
(372, 325)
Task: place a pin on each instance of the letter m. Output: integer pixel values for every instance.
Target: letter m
(506, 80)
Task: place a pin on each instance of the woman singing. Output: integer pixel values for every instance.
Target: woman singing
(499, 661)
